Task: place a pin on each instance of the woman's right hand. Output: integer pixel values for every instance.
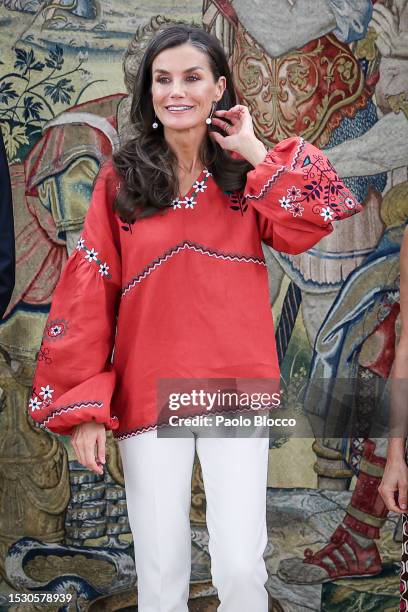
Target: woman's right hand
(84, 439)
(395, 480)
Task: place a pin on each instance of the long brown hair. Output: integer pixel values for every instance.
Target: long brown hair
(146, 164)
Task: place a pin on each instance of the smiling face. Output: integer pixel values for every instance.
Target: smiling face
(183, 87)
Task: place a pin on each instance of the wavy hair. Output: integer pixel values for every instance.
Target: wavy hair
(145, 163)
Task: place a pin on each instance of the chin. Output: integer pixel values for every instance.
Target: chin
(183, 125)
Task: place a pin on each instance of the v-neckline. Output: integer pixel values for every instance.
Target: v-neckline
(188, 194)
(189, 200)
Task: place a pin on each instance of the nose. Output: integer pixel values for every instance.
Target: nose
(177, 89)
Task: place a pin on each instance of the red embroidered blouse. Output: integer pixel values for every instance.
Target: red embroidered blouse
(186, 291)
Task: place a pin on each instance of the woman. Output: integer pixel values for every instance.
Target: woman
(172, 247)
(394, 484)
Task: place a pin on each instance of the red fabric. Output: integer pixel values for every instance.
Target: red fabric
(189, 288)
(382, 362)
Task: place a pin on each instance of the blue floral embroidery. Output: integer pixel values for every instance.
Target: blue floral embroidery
(238, 201)
(55, 329)
(322, 182)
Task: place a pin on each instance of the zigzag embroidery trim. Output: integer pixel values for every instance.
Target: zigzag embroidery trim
(141, 430)
(267, 185)
(69, 408)
(297, 153)
(193, 247)
(279, 171)
(134, 432)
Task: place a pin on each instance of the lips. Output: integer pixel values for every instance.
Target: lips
(181, 109)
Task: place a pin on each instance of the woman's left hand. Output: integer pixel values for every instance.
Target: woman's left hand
(240, 136)
(394, 484)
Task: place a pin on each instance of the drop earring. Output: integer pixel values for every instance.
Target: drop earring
(209, 119)
(155, 125)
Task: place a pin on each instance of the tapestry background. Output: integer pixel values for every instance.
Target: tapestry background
(333, 71)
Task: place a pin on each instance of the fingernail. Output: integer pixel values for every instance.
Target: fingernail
(403, 506)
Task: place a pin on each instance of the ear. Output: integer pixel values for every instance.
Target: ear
(221, 86)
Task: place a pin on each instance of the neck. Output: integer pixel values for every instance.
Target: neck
(186, 145)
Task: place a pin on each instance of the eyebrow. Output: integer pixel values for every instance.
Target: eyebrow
(188, 70)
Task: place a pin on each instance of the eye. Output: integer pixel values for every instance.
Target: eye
(163, 79)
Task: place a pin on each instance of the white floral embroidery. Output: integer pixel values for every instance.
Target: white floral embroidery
(35, 403)
(294, 193)
(200, 186)
(55, 330)
(285, 203)
(190, 202)
(296, 209)
(103, 269)
(350, 203)
(91, 255)
(46, 392)
(327, 214)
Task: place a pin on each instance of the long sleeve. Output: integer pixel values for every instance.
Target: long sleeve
(7, 248)
(297, 194)
(74, 379)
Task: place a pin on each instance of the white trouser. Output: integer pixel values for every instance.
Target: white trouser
(158, 474)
